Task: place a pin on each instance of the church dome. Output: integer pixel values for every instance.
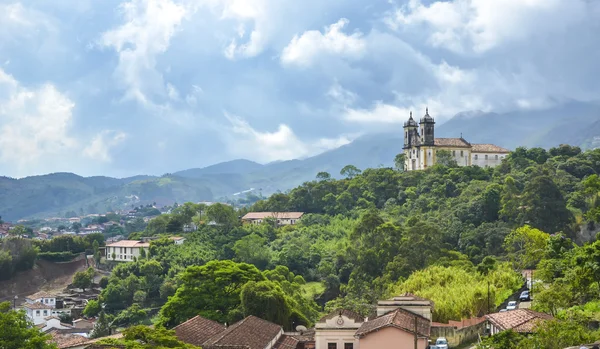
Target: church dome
(410, 122)
(426, 118)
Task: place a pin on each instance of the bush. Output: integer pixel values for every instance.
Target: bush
(57, 256)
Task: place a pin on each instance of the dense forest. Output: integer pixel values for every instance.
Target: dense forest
(446, 233)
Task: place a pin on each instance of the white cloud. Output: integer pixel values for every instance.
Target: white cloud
(340, 95)
(147, 32)
(34, 124)
(282, 144)
(304, 49)
(481, 25)
(101, 144)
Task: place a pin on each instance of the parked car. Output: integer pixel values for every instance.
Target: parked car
(511, 305)
(441, 343)
(524, 296)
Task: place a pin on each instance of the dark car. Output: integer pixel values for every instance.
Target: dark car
(524, 296)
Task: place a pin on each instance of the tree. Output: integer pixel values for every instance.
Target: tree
(253, 249)
(266, 300)
(545, 206)
(101, 327)
(16, 332)
(222, 214)
(212, 290)
(445, 158)
(526, 246)
(400, 162)
(350, 171)
(83, 279)
(143, 337)
(92, 309)
(76, 227)
(323, 176)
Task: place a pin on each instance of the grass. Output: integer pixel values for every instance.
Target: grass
(313, 289)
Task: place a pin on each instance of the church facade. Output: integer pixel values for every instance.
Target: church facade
(420, 147)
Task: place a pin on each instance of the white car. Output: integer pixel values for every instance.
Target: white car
(511, 305)
(441, 343)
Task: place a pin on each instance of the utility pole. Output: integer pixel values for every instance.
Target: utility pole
(416, 335)
(488, 298)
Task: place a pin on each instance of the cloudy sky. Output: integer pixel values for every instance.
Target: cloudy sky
(151, 86)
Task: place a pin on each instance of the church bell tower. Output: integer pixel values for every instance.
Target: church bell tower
(427, 129)
(410, 132)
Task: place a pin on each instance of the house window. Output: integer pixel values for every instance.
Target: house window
(486, 157)
(46, 301)
(476, 156)
(496, 157)
(454, 153)
(461, 153)
(348, 345)
(37, 313)
(45, 312)
(331, 345)
(121, 250)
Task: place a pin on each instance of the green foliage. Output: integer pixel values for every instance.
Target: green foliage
(83, 279)
(266, 300)
(212, 290)
(16, 254)
(445, 158)
(57, 256)
(459, 293)
(92, 308)
(17, 333)
(142, 337)
(526, 246)
(253, 249)
(102, 327)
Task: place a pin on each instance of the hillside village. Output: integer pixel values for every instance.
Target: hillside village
(450, 255)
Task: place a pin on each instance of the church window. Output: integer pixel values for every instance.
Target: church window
(406, 134)
(496, 157)
(486, 157)
(461, 153)
(476, 156)
(421, 132)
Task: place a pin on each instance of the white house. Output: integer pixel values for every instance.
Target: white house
(53, 322)
(42, 297)
(36, 312)
(125, 250)
(282, 218)
(178, 240)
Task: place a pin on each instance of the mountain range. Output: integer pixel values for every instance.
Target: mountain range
(57, 193)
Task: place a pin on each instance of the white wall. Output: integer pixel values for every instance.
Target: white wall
(331, 332)
(123, 254)
(487, 159)
(47, 301)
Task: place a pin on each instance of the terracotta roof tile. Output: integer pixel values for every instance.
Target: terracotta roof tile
(279, 215)
(40, 294)
(36, 305)
(249, 333)
(399, 318)
(64, 341)
(129, 243)
(198, 330)
(519, 320)
(488, 148)
(347, 313)
(286, 342)
(451, 142)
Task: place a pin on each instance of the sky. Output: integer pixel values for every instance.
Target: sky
(119, 88)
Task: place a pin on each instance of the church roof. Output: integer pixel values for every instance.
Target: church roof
(488, 148)
(451, 142)
(426, 117)
(411, 121)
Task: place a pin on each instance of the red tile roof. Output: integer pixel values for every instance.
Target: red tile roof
(399, 318)
(488, 148)
(519, 320)
(286, 342)
(347, 313)
(451, 142)
(129, 243)
(278, 215)
(64, 341)
(40, 294)
(198, 330)
(36, 305)
(249, 333)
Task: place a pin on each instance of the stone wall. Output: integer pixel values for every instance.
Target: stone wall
(458, 332)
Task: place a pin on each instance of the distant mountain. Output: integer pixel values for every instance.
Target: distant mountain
(572, 123)
(57, 193)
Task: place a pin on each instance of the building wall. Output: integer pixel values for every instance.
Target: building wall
(330, 332)
(123, 254)
(48, 301)
(423, 310)
(280, 221)
(37, 315)
(457, 336)
(391, 337)
(487, 159)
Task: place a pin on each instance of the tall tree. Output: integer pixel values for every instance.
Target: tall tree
(266, 300)
(16, 332)
(544, 205)
(350, 171)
